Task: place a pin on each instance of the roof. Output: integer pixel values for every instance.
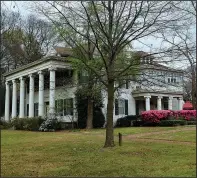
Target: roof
(37, 62)
(153, 64)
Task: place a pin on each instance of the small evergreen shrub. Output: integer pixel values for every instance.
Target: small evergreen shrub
(172, 122)
(127, 121)
(18, 123)
(191, 122)
(98, 118)
(4, 124)
(30, 124)
(138, 123)
(123, 122)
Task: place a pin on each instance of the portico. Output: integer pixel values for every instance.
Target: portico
(26, 75)
(157, 101)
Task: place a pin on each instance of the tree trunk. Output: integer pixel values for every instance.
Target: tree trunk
(89, 124)
(109, 141)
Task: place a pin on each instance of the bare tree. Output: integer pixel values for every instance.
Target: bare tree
(113, 25)
(181, 39)
(24, 40)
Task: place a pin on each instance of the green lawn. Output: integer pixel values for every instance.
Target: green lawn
(187, 135)
(81, 154)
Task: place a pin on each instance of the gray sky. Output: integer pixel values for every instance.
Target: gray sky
(147, 44)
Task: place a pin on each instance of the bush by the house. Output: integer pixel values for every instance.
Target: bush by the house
(156, 116)
(172, 122)
(98, 118)
(31, 124)
(186, 114)
(50, 124)
(5, 124)
(138, 123)
(191, 122)
(127, 121)
(82, 106)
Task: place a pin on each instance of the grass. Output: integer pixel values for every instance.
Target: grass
(187, 135)
(133, 130)
(81, 154)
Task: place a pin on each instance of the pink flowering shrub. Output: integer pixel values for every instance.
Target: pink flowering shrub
(186, 114)
(157, 115)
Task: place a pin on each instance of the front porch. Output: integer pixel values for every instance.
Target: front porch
(157, 101)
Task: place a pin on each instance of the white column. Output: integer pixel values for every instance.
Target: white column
(180, 103)
(147, 102)
(159, 102)
(14, 99)
(7, 102)
(41, 94)
(31, 95)
(52, 91)
(170, 103)
(75, 77)
(22, 98)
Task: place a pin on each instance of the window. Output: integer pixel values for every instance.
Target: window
(59, 107)
(64, 107)
(68, 106)
(165, 105)
(121, 106)
(127, 84)
(168, 80)
(27, 109)
(35, 109)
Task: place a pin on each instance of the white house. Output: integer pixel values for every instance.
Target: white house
(35, 90)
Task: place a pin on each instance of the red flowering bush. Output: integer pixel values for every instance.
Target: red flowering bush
(186, 114)
(156, 116)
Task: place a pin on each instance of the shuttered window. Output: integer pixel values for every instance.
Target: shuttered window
(121, 106)
(126, 107)
(64, 107)
(116, 107)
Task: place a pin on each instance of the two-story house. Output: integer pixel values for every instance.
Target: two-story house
(48, 85)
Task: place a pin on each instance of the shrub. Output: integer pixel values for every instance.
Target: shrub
(98, 118)
(127, 120)
(4, 124)
(18, 123)
(156, 116)
(191, 122)
(186, 114)
(138, 123)
(123, 122)
(31, 124)
(172, 122)
(50, 124)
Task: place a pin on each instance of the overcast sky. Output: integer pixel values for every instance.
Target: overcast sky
(147, 44)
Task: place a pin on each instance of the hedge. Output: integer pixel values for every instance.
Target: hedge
(156, 116)
(31, 124)
(127, 120)
(172, 122)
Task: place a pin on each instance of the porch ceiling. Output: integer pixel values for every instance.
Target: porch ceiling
(156, 93)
